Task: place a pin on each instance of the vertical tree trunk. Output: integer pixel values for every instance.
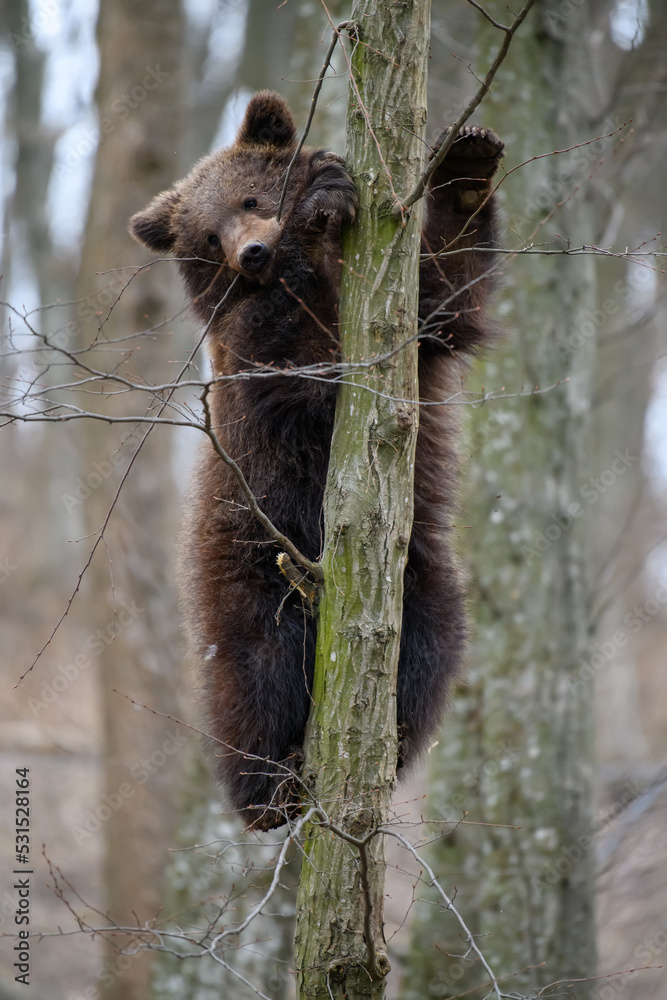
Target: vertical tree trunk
(139, 97)
(351, 743)
(517, 749)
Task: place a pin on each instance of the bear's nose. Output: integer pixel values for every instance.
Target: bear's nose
(254, 256)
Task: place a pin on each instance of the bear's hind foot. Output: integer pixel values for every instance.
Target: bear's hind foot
(283, 802)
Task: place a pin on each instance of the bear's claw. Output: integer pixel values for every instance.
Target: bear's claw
(331, 194)
(476, 152)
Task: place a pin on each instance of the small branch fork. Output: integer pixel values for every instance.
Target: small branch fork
(401, 206)
(361, 844)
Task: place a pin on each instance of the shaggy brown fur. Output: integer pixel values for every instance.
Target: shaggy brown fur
(220, 222)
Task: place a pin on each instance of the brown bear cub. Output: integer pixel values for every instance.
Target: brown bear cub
(256, 638)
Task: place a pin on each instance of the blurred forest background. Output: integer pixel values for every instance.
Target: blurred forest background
(102, 106)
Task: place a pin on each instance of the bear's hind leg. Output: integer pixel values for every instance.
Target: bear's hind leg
(258, 686)
(432, 643)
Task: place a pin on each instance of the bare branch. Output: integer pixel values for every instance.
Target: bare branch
(292, 835)
(450, 906)
(314, 569)
(401, 205)
(120, 487)
(313, 104)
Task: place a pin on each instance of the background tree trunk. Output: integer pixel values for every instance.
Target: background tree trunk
(516, 753)
(139, 97)
(351, 742)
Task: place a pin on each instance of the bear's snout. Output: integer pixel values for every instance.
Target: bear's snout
(254, 257)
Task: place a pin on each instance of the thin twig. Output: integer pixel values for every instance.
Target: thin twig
(313, 104)
(361, 843)
(368, 912)
(120, 487)
(292, 835)
(313, 568)
(450, 905)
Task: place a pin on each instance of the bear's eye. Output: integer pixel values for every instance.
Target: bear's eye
(213, 240)
(249, 204)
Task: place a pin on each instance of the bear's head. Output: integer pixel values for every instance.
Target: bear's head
(224, 212)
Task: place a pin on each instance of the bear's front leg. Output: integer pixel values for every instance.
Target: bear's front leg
(457, 269)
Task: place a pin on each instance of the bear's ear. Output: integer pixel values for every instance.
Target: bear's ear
(153, 226)
(268, 122)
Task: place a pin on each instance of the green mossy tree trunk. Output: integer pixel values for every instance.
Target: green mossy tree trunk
(517, 751)
(351, 744)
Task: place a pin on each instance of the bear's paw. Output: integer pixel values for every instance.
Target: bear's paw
(476, 152)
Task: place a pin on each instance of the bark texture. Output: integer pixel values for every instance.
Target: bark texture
(517, 750)
(351, 745)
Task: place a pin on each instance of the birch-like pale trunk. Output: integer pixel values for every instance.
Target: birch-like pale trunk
(351, 744)
(516, 754)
